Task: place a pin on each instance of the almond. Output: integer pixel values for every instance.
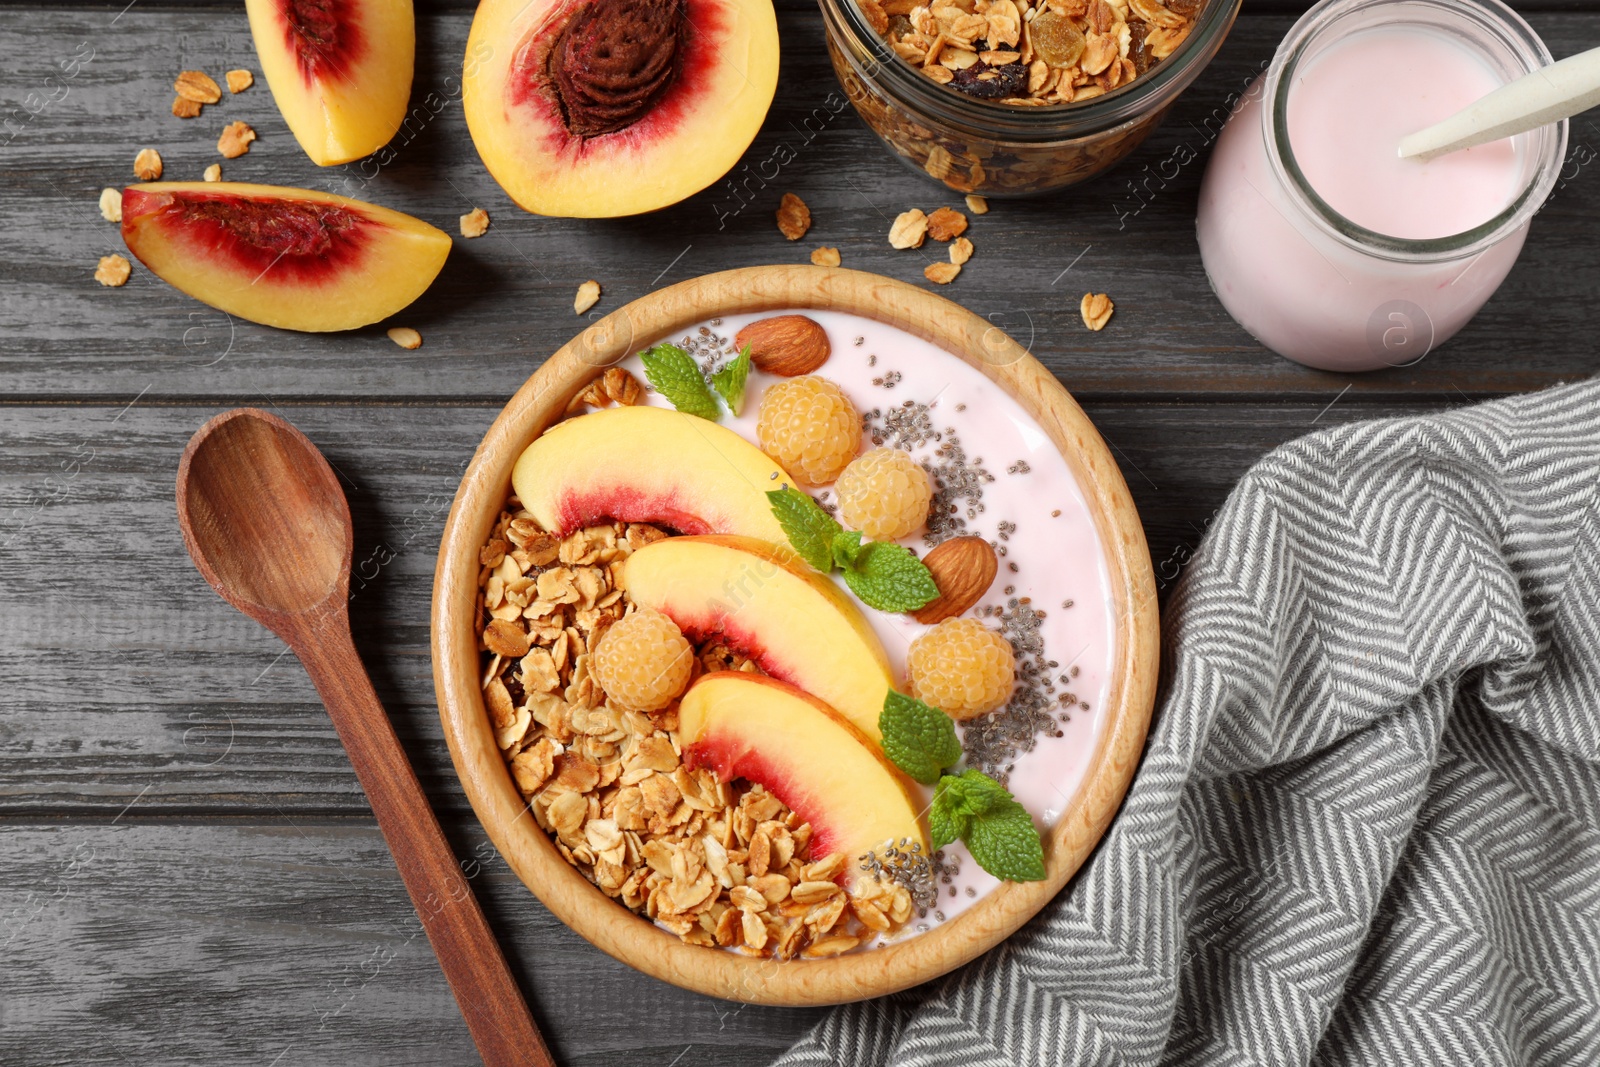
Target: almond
(963, 569)
(785, 345)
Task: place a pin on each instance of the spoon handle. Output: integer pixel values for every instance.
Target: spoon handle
(487, 993)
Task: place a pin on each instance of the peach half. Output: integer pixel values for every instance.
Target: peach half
(807, 755)
(291, 258)
(796, 624)
(598, 108)
(647, 464)
(339, 70)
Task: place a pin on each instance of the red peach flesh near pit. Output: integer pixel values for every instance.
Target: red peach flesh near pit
(528, 86)
(323, 36)
(298, 241)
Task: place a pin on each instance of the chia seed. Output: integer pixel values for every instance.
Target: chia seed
(1019, 467)
(992, 742)
(904, 863)
(707, 347)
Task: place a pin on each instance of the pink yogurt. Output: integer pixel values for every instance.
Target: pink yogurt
(1322, 242)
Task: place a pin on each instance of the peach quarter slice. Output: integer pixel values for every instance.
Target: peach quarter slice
(339, 70)
(292, 258)
(598, 108)
(807, 755)
(796, 624)
(648, 464)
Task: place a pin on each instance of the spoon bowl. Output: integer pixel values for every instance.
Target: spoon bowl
(263, 515)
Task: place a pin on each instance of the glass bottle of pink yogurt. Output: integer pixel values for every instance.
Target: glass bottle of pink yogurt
(1317, 237)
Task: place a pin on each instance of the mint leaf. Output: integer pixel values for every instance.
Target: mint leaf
(918, 739)
(888, 577)
(676, 376)
(729, 381)
(1004, 843)
(846, 548)
(810, 529)
(943, 825)
(998, 831)
(948, 817)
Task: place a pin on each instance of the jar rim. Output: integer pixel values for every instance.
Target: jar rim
(1548, 143)
(1153, 89)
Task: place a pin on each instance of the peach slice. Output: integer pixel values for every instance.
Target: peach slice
(597, 108)
(339, 70)
(796, 624)
(647, 464)
(807, 755)
(291, 258)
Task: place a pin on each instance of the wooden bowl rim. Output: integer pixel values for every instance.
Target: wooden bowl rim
(487, 782)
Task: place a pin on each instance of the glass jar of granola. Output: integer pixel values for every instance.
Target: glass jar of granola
(1018, 97)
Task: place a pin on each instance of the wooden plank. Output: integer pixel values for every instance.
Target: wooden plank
(126, 677)
(295, 944)
(504, 300)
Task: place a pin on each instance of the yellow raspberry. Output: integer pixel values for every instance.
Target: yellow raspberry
(885, 494)
(961, 667)
(810, 427)
(643, 661)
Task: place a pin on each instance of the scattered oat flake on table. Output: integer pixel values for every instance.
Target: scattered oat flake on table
(184, 108)
(977, 204)
(197, 86)
(475, 223)
(240, 80)
(1096, 310)
(941, 273)
(213, 173)
(235, 140)
(405, 337)
(794, 218)
(588, 296)
(945, 224)
(111, 204)
(960, 251)
(825, 257)
(909, 229)
(147, 165)
(113, 270)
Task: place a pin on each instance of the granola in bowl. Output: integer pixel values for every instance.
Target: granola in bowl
(1030, 53)
(717, 863)
(1018, 97)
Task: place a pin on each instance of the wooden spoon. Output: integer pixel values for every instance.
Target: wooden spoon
(268, 526)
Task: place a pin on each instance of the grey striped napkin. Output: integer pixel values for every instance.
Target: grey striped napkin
(1367, 827)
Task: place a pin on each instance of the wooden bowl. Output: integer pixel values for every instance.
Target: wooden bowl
(456, 668)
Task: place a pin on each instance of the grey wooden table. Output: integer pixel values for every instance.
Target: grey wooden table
(189, 873)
